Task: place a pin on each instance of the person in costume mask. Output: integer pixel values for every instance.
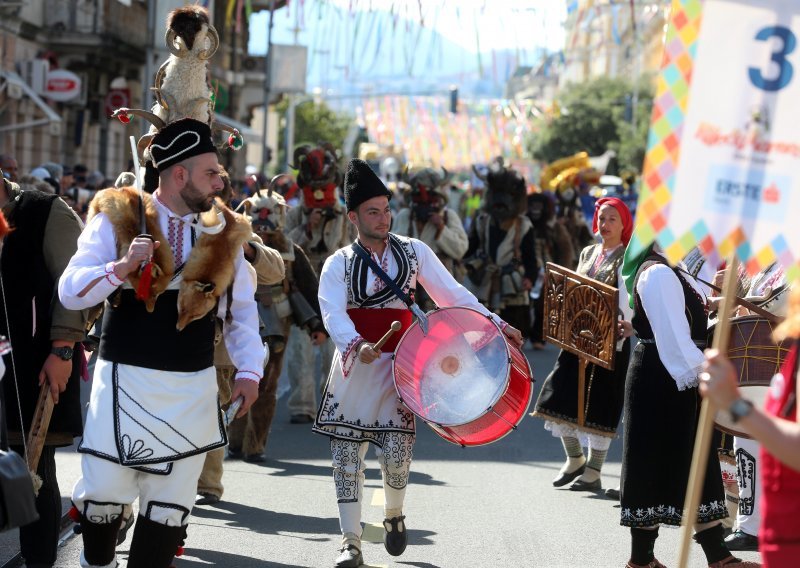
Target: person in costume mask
(359, 406)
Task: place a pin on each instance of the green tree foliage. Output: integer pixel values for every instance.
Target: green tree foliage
(314, 123)
(595, 117)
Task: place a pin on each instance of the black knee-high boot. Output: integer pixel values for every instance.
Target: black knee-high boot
(154, 545)
(99, 540)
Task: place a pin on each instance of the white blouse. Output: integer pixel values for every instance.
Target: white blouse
(662, 297)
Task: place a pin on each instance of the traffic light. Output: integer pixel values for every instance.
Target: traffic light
(454, 100)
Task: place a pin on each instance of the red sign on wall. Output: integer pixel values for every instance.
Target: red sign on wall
(117, 98)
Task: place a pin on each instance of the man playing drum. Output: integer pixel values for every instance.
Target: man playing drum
(360, 404)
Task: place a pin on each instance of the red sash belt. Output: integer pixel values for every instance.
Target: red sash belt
(371, 324)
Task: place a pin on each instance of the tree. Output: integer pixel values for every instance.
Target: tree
(591, 117)
(314, 122)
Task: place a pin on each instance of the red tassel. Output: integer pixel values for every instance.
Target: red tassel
(143, 291)
(74, 514)
(179, 552)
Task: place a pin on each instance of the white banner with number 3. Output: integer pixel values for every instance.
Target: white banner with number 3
(739, 162)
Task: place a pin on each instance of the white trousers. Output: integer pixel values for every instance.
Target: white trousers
(748, 475)
(165, 499)
(394, 458)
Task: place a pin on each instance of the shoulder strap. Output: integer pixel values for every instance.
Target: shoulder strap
(358, 248)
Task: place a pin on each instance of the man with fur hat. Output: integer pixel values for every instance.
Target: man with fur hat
(429, 220)
(360, 404)
(154, 410)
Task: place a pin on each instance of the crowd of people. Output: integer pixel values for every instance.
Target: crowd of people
(187, 309)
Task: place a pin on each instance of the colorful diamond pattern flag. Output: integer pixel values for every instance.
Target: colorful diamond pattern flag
(722, 170)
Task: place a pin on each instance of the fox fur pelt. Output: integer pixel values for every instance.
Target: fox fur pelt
(209, 271)
(121, 206)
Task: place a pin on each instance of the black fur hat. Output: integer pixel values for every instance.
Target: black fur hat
(361, 184)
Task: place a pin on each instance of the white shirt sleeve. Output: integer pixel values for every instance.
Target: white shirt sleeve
(247, 352)
(442, 287)
(624, 299)
(97, 251)
(333, 304)
(662, 298)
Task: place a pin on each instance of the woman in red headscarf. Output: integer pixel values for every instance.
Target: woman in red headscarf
(604, 389)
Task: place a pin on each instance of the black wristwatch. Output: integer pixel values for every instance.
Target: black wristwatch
(65, 353)
(739, 409)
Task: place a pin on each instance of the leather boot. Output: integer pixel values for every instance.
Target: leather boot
(154, 545)
(100, 541)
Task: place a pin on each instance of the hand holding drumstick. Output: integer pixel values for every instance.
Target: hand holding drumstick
(368, 352)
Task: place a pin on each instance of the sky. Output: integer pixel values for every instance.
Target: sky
(407, 44)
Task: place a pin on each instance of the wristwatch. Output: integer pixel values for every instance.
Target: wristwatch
(65, 353)
(739, 409)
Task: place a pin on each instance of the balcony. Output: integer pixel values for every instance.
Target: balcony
(75, 25)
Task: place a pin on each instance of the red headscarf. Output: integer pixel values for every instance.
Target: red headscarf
(624, 215)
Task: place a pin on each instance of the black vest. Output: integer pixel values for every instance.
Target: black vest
(30, 291)
(133, 336)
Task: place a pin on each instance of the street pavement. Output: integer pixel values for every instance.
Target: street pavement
(474, 507)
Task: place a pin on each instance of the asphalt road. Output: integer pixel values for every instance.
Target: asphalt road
(475, 507)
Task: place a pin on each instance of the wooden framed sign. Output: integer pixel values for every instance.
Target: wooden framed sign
(580, 315)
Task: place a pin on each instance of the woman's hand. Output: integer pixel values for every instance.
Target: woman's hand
(624, 329)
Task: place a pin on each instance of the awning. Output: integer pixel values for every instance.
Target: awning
(9, 79)
(245, 130)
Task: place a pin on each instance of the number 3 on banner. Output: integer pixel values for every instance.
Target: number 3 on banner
(779, 57)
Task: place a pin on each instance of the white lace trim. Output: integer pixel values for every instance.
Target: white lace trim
(689, 379)
(672, 515)
(587, 439)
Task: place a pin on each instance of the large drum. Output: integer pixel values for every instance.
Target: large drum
(463, 378)
(756, 358)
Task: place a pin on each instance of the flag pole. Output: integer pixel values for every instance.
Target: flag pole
(705, 425)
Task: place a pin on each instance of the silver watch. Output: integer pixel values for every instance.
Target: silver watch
(739, 409)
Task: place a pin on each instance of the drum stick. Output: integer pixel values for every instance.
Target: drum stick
(39, 426)
(395, 327)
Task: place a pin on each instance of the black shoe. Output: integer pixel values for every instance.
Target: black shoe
(580, 485)
(613, 493)
(741, 541)
(395, 536)
(124, 528)
(255, 458)
(564, 478)
(301, 419)
(206, 499)
(234, 454)
(350, 557)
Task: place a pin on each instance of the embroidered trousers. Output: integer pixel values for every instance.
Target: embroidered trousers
(393, 451)
(748, 476)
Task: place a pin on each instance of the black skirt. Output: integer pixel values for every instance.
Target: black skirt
(660, 425)
(604, 393)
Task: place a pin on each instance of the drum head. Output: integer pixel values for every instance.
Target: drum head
(756, 394)
(456, 372)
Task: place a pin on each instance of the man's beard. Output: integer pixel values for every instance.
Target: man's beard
(194, 199)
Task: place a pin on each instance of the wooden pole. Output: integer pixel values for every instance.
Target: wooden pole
(39, 426)
(582, 364)
(705, 425)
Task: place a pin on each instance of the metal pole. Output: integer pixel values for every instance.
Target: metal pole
(290, 111)
(267, 85)
(147, 93)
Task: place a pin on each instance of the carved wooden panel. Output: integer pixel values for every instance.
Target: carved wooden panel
(580, 315)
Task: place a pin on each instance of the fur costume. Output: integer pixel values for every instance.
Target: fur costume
(319, 178)
(501, 255)
(267, 211)
(121, 206)
(209, 271)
